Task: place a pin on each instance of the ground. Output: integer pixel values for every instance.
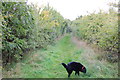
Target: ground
(46, 63)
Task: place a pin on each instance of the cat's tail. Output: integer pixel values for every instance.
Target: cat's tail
(65, 66)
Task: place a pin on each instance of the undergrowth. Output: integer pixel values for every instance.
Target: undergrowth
(46, 63)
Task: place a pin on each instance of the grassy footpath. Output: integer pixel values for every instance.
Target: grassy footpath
(46, 63)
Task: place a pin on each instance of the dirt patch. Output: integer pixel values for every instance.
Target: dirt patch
(79, 43)
(89, 53)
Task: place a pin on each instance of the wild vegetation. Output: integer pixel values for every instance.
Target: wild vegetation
(26, 28)
(34, 41)
(100, 29)
(46, 63)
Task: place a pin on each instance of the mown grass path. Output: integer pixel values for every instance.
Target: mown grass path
(47, 63)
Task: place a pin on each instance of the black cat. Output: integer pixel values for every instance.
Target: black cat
(74, 66)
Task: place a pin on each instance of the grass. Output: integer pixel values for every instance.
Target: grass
(47, 63)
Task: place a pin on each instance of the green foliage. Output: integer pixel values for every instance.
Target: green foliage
(25, 28)
(16, 28)
(48, 23)
(100, 29)
(47, 63)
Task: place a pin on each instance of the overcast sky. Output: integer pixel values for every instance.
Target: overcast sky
(71, 9)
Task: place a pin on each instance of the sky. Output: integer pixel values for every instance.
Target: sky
(71, 9)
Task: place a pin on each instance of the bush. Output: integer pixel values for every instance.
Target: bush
(25, 28)
(100, 29)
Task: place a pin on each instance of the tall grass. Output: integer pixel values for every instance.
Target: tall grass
(46, 63)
